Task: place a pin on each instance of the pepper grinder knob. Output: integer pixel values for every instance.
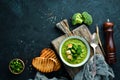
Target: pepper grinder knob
(110, 46)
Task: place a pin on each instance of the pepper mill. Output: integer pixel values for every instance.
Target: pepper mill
(110, 46)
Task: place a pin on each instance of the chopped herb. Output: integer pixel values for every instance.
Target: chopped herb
(79, 50)
(73, 51)
(16, 66)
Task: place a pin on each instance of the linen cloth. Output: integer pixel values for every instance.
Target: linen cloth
(40, 76)
(96, 69)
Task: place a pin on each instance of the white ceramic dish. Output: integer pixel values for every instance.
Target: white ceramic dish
(86, 58)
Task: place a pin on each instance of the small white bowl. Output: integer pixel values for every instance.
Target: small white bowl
(86, 58)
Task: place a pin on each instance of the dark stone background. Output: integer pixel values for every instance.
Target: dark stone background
(28, 26)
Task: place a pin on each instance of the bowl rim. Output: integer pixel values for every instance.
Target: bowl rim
(22, 64)
(88, 53)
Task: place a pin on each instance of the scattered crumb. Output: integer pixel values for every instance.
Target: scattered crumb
(52, 19)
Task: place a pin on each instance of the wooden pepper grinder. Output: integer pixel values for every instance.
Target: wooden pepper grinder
(110, 46)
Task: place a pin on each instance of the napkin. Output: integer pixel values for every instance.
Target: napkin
(95, 69)
(40, 76)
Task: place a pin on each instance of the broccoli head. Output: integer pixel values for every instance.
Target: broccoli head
(77, 19)
(87, 18)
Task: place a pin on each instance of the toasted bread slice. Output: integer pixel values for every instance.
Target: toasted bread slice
(43, 64)
(57, 64)
(48, 53)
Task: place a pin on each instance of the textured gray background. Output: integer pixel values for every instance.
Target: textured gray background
(28, 26)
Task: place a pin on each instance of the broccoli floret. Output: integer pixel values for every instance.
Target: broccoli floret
(77, 19)
(87, 18)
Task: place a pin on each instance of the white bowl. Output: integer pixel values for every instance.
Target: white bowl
(86, 58)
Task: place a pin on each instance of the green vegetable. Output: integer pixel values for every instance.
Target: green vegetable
(16, 66)
(73, 51)
(74, 47)
(82, 55)
(77, 19)
(87, 18)
(75, 56)
(79, 50)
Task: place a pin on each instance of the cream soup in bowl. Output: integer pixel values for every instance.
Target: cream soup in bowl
(74, 51)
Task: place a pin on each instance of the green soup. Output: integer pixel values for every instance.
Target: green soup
(77, 52)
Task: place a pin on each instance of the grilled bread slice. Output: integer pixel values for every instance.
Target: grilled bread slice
(47, 53)
(57, 64)
(44, 65)
(47, 62)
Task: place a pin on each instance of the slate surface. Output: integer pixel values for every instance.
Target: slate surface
(28, 26)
